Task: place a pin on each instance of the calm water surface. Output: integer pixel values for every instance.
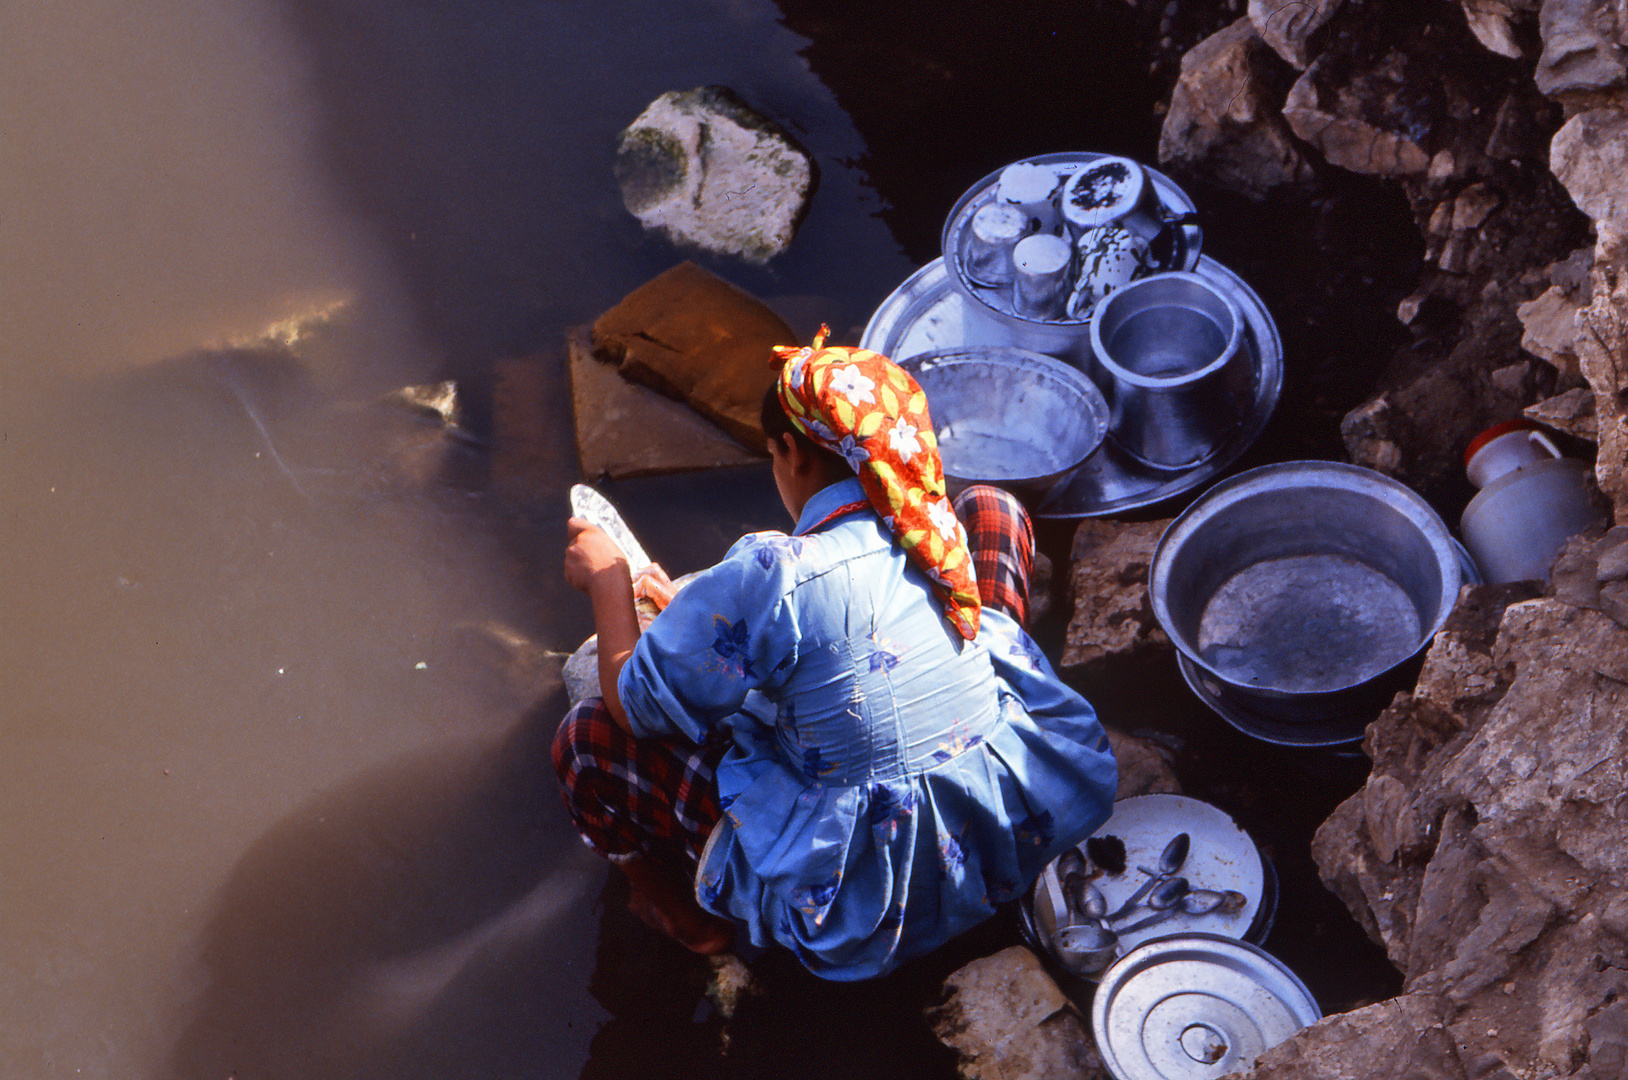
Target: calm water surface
(273, 788)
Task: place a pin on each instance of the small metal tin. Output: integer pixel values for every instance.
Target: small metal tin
(1042, 266)
(987, 255)
(1195, 1007)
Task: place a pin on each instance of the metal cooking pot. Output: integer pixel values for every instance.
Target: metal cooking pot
(1305, 590)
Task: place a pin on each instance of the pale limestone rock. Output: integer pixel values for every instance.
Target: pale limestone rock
(1603, 356)
(1490, 22)
(1113, 616)
(1580, 51)
(1333, 122)
(1221, 122)
(1589, 155)
(1403, 1037)
(1549, 328)
(1484, 851)
(1571, 413)
(1008, 1020)
(1288, 26)
(704, 169)
(1145, 767)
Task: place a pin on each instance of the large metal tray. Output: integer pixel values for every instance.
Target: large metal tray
(927, 314)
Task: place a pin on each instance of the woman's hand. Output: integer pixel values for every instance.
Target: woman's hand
(596, 566)
(589, 553)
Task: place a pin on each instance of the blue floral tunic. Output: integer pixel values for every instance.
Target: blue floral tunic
(888, 782)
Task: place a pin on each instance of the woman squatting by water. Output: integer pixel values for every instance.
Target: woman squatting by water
(840, 741)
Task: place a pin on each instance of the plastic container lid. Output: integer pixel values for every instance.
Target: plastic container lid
(1195, 1006)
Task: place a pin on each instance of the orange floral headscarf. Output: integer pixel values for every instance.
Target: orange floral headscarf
(865, 407)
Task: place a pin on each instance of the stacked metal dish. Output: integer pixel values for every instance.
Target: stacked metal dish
(1149, 840)
(966, 300)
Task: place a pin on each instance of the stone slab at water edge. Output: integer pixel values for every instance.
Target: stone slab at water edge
(704, 169)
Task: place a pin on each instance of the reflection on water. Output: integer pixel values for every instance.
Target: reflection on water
(273, 786)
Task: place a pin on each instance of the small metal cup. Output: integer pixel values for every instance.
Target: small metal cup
(1032, 189)
(1169, 356)
(1043, 271)
(992, 234)
(1104, 191)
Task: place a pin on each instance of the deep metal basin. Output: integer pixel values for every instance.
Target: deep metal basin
(1305, 589)
(1010, 417)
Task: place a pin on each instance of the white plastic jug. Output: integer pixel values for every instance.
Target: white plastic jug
(1517, 523)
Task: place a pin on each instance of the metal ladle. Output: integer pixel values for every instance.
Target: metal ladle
(1084, 945)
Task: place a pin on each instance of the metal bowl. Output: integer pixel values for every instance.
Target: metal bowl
(1010, 417)
(1305, 590)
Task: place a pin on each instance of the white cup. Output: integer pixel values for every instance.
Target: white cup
(1515, 444)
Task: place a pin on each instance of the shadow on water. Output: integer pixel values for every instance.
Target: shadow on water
(405, 925)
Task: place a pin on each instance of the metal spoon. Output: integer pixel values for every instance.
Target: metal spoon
(1194, 902)
(1170, 861)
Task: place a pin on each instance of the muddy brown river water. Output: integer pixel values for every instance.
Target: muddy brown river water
(274, 797)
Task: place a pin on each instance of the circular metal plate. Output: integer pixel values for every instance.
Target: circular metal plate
(1221, 856)
(1194, 1007)
(925, 314)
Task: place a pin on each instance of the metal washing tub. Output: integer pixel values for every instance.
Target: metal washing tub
(1302, 593)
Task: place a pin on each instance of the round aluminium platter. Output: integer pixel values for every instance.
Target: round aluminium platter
(1195, 1007)
(926, 314)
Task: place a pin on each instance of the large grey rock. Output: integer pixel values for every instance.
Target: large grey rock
(1484, 851)
(1580, 51)
(1403, 1037)
(702, 168)
(1590, 156)
(1007, 1020)
(1571, 413)
(1549, 322)
(1288, 26)
(1333, 114)
(1492, 23)
(1223, 123)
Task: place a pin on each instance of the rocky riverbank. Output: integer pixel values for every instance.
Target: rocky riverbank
(1483, 850)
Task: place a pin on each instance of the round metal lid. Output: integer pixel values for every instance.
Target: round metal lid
(1195, 1006)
